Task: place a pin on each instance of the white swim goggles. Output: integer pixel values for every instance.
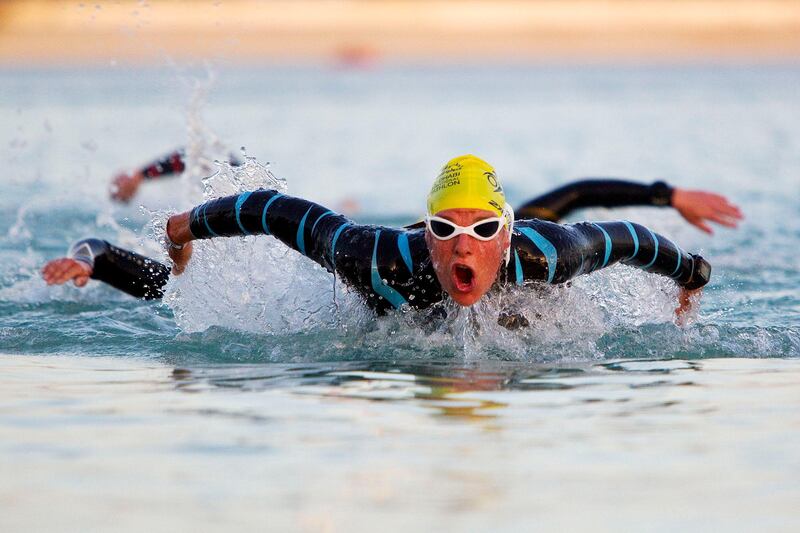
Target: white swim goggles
(483, 230)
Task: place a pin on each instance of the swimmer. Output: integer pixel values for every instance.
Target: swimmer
(695, 206)
(470, 243)
(124, 186)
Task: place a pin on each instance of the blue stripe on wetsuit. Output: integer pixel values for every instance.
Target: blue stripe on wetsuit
(678, 266)
(323, 215)
(546, 247)
(634, 236)
(655, 254)
(239, 201)
(264, 213)
(301, 238)
(608, 245)
(405, 251)
(339, 231)
(391, 295)
(518, 269)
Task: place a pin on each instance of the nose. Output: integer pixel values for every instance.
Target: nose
(464, 245)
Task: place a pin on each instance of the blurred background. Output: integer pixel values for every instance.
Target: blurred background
(364, 31)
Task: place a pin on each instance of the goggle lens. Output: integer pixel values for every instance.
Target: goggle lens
(440, 229)
(488, 229)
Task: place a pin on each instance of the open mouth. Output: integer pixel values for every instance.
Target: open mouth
(463, 278)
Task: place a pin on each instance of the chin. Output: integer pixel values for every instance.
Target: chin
(466, 299)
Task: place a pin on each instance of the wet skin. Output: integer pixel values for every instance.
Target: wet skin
(465, 266)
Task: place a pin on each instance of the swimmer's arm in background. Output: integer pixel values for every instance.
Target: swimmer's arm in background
(127, 271)
(555, 253)
(124, 186)
(696, 207)
(560, 202)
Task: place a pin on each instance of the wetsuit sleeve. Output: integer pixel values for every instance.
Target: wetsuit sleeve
(388, 267)
(558, 203)
(307, 227)
(554, 253)
(171, 164)
(127, 271)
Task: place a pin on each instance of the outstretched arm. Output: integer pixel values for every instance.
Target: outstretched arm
(129, 272)
(555, 253)
(380, 263)
(124, 186)
(323, 236)
(305, 226)
(697, 207)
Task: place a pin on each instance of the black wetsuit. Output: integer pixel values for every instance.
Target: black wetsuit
(392, 267)
(127, 271)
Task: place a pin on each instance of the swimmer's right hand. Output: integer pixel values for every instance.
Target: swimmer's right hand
(60, 271)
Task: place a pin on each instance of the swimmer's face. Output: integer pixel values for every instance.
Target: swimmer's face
(465, 266)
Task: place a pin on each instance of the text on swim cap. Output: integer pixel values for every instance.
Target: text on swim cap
(447, 178)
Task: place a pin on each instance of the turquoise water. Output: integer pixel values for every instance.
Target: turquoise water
(261, 394)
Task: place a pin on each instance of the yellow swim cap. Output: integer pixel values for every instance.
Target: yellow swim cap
(467, 182)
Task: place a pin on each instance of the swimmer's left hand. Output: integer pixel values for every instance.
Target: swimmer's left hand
(688, 305)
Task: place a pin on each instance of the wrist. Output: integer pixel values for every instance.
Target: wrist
(176, 232)
(85, 251)
(88, 268)
(170, 241)
(700, 275)
(661, 194)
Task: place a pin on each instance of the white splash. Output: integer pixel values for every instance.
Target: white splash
(255, 283)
